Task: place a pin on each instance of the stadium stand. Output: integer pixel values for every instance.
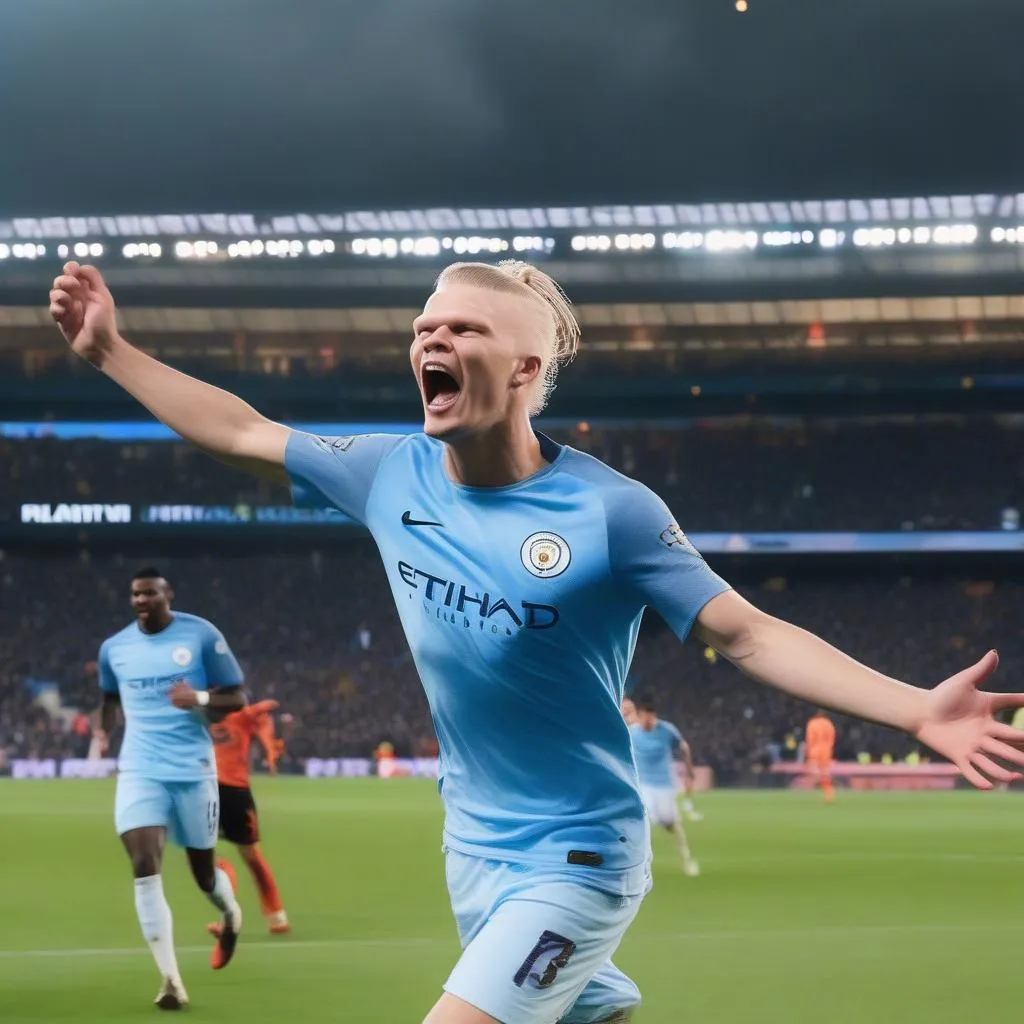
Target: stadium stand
(317, 631)
(954, 473)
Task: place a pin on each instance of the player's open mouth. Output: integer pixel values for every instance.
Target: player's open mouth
(440, 389)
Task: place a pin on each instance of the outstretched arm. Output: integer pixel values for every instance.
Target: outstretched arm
(208, 417)
(264, 733)
(955, 719)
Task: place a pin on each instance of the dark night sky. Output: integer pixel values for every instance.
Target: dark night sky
(140, 106)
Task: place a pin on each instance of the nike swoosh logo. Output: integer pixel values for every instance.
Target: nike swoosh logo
(407, 520)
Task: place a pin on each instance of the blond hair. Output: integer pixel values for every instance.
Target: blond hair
(515, 277)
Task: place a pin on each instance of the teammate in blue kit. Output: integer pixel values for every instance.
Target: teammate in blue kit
(521, 570)
(656, 744)
(167, 671)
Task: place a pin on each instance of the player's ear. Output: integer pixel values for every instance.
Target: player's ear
(526, 371)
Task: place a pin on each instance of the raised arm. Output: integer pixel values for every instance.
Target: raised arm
(212, 419)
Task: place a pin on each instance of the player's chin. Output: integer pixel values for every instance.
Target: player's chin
(442, 426)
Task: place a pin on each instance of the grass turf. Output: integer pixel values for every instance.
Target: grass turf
(881, 907)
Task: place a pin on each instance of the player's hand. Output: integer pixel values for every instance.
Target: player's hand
(102, 739)
(83, 309)
(960, 724)
(183, 696)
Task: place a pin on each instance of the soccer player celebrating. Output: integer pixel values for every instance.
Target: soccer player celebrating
(819, 744)
(239, 823)
(656, 743)
(164, 671)
(521, 570)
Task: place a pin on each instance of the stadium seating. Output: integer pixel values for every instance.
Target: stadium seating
(318, 632)
(721, 475)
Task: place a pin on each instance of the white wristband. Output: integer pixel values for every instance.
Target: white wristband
(202, 698)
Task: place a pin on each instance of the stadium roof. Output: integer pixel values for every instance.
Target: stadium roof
(315, 104)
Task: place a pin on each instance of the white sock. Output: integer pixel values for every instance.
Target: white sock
(223, 897)
(684, 847)
(157, 924)
(688, 805)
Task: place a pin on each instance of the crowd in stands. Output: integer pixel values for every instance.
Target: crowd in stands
(317, 631)
(720, 475)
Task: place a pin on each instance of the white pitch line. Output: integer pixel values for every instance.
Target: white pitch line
(283, 945)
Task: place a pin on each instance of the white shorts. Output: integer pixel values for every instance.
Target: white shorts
(662, 806)
(190, 811)
(537, 943)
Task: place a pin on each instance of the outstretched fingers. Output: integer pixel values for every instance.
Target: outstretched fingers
(993, 770)
(1006, 701)
(1008, 752)
(973, 776)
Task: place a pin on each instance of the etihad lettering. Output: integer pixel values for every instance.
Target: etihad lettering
(497, 612)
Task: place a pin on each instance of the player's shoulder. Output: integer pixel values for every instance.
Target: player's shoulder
(124, 635)
(416, 446)
(381, 443)
(634, 513)
(186, 622)
(671, 728)
(616, 490)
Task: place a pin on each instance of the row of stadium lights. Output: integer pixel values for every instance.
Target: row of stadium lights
(282, 248)
(944, 234)
(827, 238)
(431, 246)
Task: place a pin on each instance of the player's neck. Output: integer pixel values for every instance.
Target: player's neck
(156, 625)
(503, 455)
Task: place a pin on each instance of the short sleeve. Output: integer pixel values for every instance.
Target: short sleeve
(336, 472)
(674, 735)
(219, 663)
(108, 680)
(651, 555)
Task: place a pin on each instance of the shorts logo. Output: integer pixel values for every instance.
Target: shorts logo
(545, 554)
(545, 960)
(672, 536)
(181, 656)
(221, 647)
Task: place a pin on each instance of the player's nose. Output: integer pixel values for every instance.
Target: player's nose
(440, 340)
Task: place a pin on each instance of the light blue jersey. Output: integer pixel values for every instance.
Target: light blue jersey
(521, 605)
(163, 742)
(655, 751)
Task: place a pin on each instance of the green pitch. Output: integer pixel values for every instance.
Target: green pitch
(882, 907)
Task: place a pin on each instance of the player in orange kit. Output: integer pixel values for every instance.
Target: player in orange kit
(232, 741)
(819, 744)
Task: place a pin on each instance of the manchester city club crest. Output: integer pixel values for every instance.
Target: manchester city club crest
(181, 656)
(545, 554)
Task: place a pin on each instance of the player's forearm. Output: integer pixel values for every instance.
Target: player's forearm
(207, 416)
(222, 703)
(803, 665)
(108, 714)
